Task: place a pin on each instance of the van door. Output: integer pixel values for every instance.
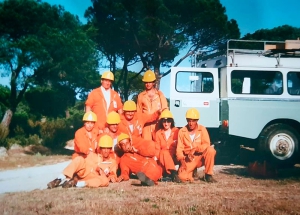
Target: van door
(197, 88)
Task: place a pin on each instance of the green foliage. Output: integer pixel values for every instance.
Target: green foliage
(280, 33)
(50, 102)
(4, 99)
(23, 141)
(56, 132)
(43, 45)
(154, 32)
(130, 86)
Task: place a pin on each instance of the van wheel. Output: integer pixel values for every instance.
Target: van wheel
(279, 142)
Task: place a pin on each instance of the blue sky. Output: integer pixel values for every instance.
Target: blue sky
(251, 15)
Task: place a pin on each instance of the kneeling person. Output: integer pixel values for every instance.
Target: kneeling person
(96, 170)
(146, 169)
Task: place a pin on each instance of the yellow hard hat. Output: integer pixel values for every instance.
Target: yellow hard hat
(106, 141)
(123, 136)
(90, 116)
(166, 114)
(108, 75)
(113, 118)
(149, 76)
(192, 113)
(129, 106)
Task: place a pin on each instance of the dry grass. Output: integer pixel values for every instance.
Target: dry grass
(235, 193)
(23, 160)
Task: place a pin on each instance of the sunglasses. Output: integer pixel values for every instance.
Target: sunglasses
(169, 120)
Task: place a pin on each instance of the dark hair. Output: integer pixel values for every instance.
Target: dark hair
(160, 123)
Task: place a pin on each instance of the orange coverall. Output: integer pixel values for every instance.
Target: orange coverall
(98, 105)
(165, 149)
(82, 143)
(87, 169)
(116, 152)
(134, 163)
(149, 106)
(204, 154)
(138, 123)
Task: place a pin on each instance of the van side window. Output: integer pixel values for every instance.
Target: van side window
(256, 82)
(293, 83)
(194, 82)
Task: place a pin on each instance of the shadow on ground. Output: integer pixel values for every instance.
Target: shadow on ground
(292, 173)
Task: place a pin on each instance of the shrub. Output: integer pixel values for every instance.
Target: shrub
(56, 132)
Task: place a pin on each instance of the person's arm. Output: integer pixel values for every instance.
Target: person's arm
(179, 152)
(81, 144)
(112, 175)
(163, 101)
(205, 140)
(89, 102)
(139, 106)
(125, 171)
(119, 104)
(157, 145)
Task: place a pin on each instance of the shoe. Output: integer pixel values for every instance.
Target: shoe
(176, 179)
(54, 183)
(208, 178)
(144, 179)
(70, 183)
(195, 174)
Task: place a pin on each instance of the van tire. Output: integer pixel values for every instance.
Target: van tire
(279, 143)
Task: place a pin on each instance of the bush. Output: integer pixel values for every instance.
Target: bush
(23, 141)
(56, 132)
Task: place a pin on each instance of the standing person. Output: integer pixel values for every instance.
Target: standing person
(166, 144)
(96, 170)
(149, 101)
(193, 148)
(85, 140)
(146, 169)
(103, 100)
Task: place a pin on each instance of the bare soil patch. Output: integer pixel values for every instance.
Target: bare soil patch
(23, 160)
(235, 193)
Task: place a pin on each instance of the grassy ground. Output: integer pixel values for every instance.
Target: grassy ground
(235, 193)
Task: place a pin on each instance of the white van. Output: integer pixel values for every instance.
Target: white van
(252, 92)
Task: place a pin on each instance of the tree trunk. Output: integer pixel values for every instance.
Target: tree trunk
(7, 118)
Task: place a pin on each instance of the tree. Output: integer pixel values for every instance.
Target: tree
(280, 33)
(155, 31)
(132, 87)
(43, 45)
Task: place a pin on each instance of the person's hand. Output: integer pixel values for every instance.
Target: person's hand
(101, 172)
(120, 178)
(191, 155)
(112, 178)
(106, 130)
(182, 166)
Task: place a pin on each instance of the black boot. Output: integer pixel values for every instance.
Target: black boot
(174, 176)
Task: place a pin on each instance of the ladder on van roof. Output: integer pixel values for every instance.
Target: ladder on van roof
(252, 53)
(274, 49)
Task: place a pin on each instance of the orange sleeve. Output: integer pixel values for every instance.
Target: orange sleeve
(80, 143)
(113, 168)
(119, 102)
(139, 105)
(145, 117)
(125, 171)
(157, 143)
(180, 146)
(91, 99)
(205, 140)
(163, 101)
